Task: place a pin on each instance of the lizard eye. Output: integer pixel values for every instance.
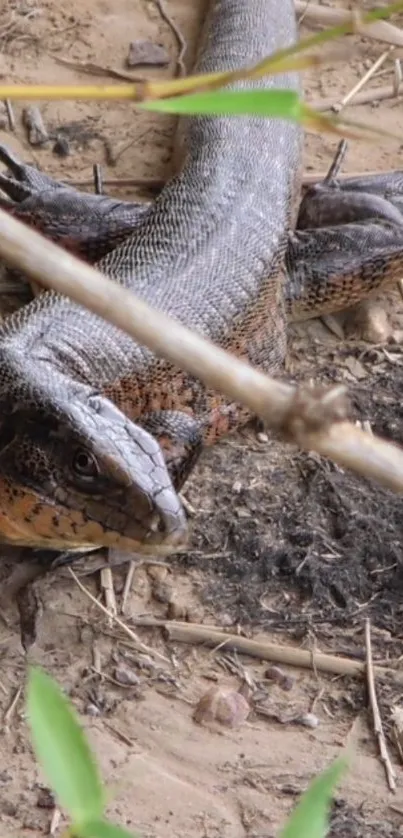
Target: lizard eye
(84, 464)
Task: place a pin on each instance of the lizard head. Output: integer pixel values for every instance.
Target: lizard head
(76, 473)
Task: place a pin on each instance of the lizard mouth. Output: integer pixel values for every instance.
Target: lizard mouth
(29, 521)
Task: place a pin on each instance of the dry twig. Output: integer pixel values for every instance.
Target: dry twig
(181, 69)
(376, 716)
(152, 185)
(133, 636)
(128, 586)
(10, 115)
(8, 715)
(109, 592)
(93, 69)
(362, 82)
(215, 637)
(55, 820)
(376, 94)
(311, 419)
(310, 178)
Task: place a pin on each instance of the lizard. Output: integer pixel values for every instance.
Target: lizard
(218, 249)
(97, 435)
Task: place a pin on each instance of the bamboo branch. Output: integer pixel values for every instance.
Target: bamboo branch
(310, 419)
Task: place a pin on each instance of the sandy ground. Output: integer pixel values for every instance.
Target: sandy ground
(286, 547)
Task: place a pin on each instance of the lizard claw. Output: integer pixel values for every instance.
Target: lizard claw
(22, 181)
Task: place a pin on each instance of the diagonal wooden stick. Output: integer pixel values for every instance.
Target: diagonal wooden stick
(310, 420)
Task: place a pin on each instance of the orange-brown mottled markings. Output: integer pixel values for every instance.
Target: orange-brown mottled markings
(26, 521)
(347, 289)
(262, 324)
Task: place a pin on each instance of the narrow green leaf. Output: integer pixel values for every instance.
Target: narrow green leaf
(62, 749)
(310, 819)
(101, 829)
(277, 103)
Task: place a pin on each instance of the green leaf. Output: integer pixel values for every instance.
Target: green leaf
(102, 829)
(277, 103)
(62, 749)
(310, 819)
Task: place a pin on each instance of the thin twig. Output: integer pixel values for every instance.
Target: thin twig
(133, 636)
(336, 164)
(8, 715)
(96, 659)
(375, 94)
(216, 637)
(380, 30)
(128, 586)
(55, 820)
(152, 185)
(98, 179)
(311, 419)
(376, 716)
(310, 178)
(181, 69)
(10, 115)
(109, 592)
(338, 107)
(94, 69)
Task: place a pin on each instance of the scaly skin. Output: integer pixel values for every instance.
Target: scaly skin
(75, 393)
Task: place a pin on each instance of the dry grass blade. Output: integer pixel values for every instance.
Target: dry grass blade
(313, 419)
(114, 619)
(324, 16)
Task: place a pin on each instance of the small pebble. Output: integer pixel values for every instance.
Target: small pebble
(92, 710)
(262, 437)
(61, 147)
(143, 53)
(228, 707)
(274, 673)
(307, 720)
(126, 676)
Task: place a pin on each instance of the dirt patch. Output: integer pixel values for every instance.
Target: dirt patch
(286, 546)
